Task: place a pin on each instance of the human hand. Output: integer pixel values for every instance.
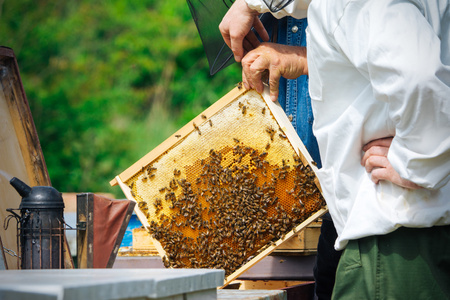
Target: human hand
(280, 60)
(375, 161)
(236, 28)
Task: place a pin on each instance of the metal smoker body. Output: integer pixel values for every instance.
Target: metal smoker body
(40, 226)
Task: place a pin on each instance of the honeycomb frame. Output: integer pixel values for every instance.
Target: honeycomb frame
(217, 195)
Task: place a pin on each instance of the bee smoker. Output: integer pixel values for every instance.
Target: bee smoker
(40, 226)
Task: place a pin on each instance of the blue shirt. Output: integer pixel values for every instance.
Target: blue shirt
(293, 93)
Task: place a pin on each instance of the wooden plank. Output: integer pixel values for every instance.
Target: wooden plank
(251, 295)
(274, 246)
(305, 241)
(266, 284)
(84, 235)
(22, 124)
(293, 244)
(309, 238)
(20, 152)
(142, 240)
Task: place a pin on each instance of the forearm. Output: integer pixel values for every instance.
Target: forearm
(406, 70)
(279, 60)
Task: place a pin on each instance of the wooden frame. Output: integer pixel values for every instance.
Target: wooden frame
(172, 141)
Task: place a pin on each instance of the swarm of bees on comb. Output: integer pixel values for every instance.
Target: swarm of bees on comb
(227, 190)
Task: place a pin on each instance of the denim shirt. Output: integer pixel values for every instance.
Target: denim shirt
(293, 93)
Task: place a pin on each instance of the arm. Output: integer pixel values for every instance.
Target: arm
(243, 14)
(375, 161)
(280, 60)
(404, 54)
(236, 28)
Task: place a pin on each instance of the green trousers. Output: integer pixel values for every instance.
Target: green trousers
(409, 263)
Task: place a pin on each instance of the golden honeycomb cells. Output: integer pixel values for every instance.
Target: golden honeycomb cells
(234, 180)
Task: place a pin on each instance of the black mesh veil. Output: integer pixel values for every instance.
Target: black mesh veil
(208, 14)
(276, 5)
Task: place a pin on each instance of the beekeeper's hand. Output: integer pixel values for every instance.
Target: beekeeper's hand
(376, 162)
(236, 29)
(276, 60)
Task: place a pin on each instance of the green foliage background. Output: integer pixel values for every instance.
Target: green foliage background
(107, 81)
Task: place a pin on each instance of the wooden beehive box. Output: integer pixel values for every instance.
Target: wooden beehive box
(304, 242)
(226, 189)
(142, 242)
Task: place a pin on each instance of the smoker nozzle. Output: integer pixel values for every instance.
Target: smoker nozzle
(21, 187)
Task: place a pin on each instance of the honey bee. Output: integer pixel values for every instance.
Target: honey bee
(203, 116)
(236, 140)
(239, 85)
(196, 128)
(282, 136)
(166, 262)
(210, 123)
(177, 136)
(271, 132)
(150, 169)
(244, 109)
(263, 111)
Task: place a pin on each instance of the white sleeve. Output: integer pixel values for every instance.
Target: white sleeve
(409, 68)
(296, 8)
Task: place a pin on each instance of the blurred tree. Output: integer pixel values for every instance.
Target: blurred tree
(107, 81)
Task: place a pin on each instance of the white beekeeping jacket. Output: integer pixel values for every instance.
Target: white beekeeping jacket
(296, 8)
(379, 69)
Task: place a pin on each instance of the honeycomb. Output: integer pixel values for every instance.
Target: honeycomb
(226, 189)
